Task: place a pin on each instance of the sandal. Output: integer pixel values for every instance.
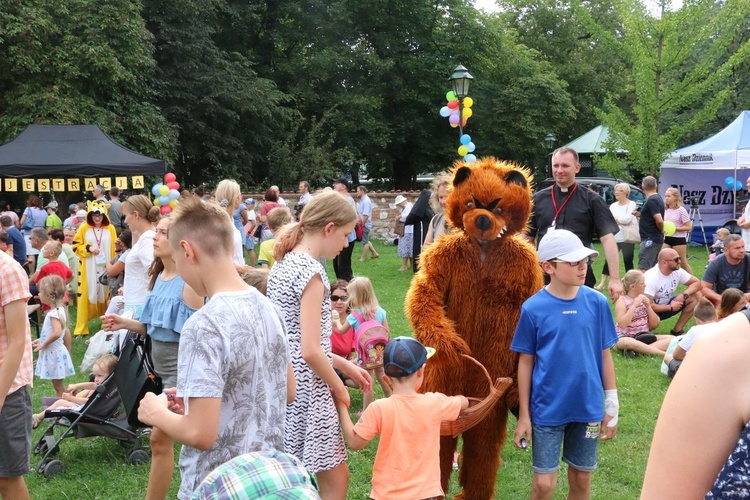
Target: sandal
(675, 333)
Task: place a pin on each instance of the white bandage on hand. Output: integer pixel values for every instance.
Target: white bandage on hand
(611, 406)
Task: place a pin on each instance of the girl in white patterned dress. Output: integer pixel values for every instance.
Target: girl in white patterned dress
(54, 361)
(298, 285)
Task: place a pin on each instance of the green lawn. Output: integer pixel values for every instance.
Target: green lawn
(96, 467)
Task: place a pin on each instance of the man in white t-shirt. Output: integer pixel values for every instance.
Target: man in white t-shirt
(304, 193)
(662, 281)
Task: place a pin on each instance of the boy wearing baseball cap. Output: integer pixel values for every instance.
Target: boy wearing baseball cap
(407, 464)
(565, 369)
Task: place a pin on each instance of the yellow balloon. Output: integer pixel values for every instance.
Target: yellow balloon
(467, 113)
(468, 102)
(157, 203)
(454, 125)
(173, 203)
(463, 150)
(164, 190)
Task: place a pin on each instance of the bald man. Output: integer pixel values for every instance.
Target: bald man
(662, 281)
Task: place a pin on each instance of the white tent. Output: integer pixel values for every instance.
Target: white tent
(700, 172)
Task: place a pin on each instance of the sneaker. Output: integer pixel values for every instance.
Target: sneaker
(628, 353)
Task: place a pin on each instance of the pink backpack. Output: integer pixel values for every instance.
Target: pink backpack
(370, 339)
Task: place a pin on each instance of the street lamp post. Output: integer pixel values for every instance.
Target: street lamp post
(460, 81)
(550, 140)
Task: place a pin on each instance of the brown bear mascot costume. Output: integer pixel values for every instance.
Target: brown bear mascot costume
(466, 299)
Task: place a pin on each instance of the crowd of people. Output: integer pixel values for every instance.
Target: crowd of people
(257, 361)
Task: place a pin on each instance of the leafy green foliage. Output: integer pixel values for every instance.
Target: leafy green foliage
(681, 63)
(81, 61)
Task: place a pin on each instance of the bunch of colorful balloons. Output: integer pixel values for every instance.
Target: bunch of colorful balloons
(731, 183)
(166, 194)
(455, 114)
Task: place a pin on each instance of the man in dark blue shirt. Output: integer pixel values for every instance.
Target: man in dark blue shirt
(650, 225)
(15, 239)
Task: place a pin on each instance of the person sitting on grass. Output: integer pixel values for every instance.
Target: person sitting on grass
(705, 315)
(732, 300)
(76, 395)
(636, 319)
(662, 281)
(407, 463)
(277, 218)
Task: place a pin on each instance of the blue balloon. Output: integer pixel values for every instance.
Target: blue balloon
(164, 200)
(738, 186)
(173, 194)
(155, 189)
(729, 181)
(470, 158)
(471, 147)
(445, 111)
(465, 140)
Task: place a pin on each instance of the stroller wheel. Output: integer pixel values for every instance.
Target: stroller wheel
(138, 456)
(45, 444)
(53, 468)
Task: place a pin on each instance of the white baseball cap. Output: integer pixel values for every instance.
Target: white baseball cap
(81, 213)
(563, 245)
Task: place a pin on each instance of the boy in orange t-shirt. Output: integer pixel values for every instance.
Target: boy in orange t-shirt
(407, 464)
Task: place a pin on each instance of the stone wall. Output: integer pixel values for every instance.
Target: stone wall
(383, 209)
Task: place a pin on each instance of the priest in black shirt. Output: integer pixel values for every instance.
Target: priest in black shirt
(568, 205)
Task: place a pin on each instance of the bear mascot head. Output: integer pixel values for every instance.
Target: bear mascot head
(466, 299)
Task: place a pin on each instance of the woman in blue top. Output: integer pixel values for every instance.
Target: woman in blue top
(33, 216)
(169, 304)
(239, 217)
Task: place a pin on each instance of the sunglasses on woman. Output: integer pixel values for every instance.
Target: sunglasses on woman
(336, 298)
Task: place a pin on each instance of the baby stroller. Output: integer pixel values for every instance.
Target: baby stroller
(99, 416)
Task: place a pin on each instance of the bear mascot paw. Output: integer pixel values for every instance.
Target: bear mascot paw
(466, 299)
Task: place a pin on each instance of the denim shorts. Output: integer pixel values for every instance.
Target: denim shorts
(366, 235)
(579, 442)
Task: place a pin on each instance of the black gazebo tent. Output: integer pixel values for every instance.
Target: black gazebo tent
(72, 150)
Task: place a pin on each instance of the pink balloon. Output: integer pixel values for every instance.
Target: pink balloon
(170, 177)
(174, 185)
(165, 209)
(453, 119)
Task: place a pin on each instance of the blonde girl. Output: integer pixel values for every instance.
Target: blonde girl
(141, 217)
(363, 302)
(229, 196)
(675, 212)
(298, 286)
(439, 225)
(636, 319)
(54, 361)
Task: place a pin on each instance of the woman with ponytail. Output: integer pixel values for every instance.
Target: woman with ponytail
(299, 287)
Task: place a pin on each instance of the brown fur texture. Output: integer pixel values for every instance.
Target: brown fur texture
(466, 299)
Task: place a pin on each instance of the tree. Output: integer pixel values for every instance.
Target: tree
(81, 61)
(228, 117)
(591, 70)
(682, 63)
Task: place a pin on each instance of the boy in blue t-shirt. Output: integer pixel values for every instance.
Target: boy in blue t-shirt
(564, 337)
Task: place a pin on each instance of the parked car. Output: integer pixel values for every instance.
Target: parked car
(605, 186)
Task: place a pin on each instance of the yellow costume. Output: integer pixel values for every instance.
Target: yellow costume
(92, 296)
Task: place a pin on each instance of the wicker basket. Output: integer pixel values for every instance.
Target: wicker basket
(478, 408)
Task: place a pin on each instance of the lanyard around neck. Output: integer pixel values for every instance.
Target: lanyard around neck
(554, 203)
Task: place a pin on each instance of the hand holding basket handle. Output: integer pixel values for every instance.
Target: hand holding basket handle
(478, 408)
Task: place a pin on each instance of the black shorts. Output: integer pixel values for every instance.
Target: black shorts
(675, 242)
(669, 314)
(15, 434)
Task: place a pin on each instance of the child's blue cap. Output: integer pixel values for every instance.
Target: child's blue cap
(404, 356)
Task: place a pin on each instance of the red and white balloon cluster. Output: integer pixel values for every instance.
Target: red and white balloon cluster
(455, 114)
(166, 194)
